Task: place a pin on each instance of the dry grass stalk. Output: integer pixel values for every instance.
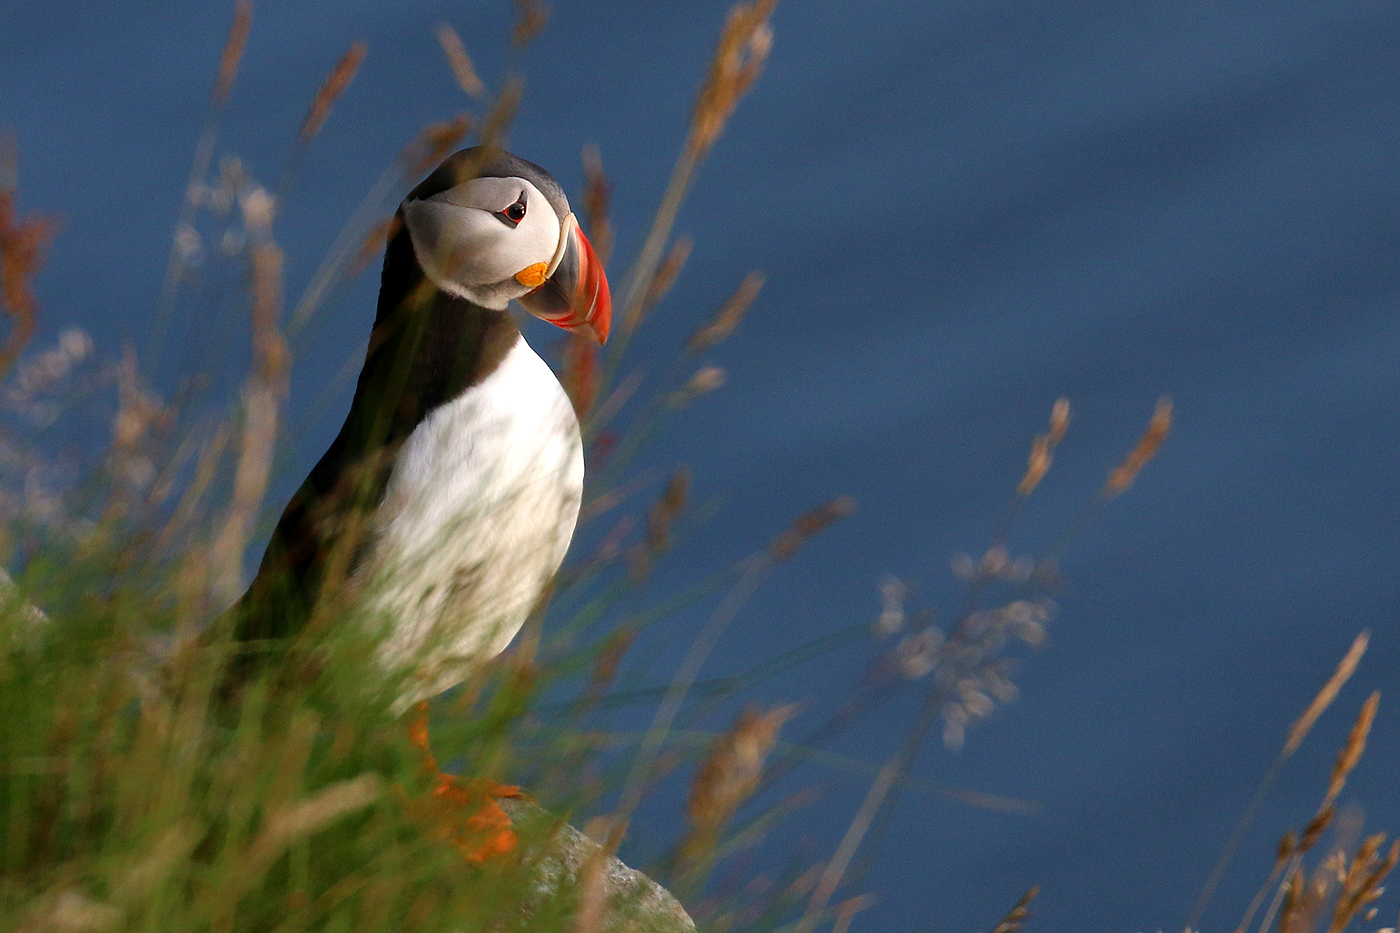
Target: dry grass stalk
(661, 284)
(704, 381)
(530, 17)
(607, 501)
(609, 660)
(9, 163)
(23, 243)
(610, 545)
(433, 144)
(1283, 858)
(296, 821)
(835, 869)
(336, 83)
(664, 512)
(970, 677)
(1361, 882)
(1351, 752)
(728, 317)
(170, 847)
(140, 414)
(1059, 424)
(1122, 477)
(187, 508)
(1296, 734)
(1017, 916)
(262, 395)
(1316, 827)
(812, 523)
(1297, 907)
(272, 358)
(1327, 694)
(649, 755)
(373, 244)
(620, 395)
(1299, 901)
(1037, 467)
(592, 893)
(501, 115)
(846, 911)
(666, 509)
(579, 373)
(892, 616)
(71, 911)
(199, 168)
(460, 62)
(729, 776)
(171, 471)
(597, 196)
(738, 59)
(591, 911)
(743, 47)
(233, 50)
(1043, 448)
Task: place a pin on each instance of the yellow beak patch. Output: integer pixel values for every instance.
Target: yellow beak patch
(533, 275)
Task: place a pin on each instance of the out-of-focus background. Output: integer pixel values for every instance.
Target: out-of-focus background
(964, 210)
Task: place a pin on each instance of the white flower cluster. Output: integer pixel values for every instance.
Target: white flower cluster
(41, 483)
(969, 670)
(234, 187)
(29, 391)
(891, 619)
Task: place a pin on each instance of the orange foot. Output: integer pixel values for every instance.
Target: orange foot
(471, 818)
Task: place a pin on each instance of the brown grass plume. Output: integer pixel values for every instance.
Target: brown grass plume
(460, 62)
(1327, 694)
(336, 83)
(1122, 477)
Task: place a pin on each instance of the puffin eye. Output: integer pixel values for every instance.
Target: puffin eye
(515, 213)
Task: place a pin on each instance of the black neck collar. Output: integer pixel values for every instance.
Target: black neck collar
(427, 347)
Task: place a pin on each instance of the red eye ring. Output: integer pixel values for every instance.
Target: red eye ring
(515, 212)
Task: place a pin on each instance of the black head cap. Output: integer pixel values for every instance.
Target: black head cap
(490, 162)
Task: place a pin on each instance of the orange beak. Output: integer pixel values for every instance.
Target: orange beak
(575, 294)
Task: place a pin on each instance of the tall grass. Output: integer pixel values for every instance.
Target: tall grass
(133, 797)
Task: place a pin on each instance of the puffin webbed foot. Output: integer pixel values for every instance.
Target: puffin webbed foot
(473, 820)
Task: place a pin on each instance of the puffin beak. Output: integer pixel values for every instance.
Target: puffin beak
(574, 292)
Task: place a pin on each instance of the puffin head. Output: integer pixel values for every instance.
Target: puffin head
(489, 227)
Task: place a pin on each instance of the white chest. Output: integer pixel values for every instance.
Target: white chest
(477, 515)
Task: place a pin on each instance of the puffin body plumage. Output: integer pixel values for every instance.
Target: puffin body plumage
(477, 515)
(447, 501)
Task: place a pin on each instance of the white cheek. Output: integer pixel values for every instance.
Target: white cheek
(469, 247)
(448, 240)
(538, 235)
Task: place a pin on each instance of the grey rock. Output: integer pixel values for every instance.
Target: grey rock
(560, 856)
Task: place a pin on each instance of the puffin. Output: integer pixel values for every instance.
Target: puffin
(446, 503)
